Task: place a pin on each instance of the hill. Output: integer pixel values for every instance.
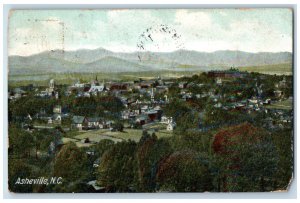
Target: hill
(101, 60)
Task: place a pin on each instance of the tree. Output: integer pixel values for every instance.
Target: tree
(184, 171)
(118, 126)
(176, 109)
(71, 164)
(149, 152)
(247, 158)
(18, 169)
(20, 142)
(102, 146)
(117, 170)
(283, 140)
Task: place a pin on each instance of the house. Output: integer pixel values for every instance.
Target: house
(57, 109)
(96, 89)
(144, 108)
(152, 115)
(105, 124)
(141, 119)
(182, 85)
(77, 122)
(164, 119)
(171, 126)
(77, 84)
(56, 118)
(92, 122)
(17, 93)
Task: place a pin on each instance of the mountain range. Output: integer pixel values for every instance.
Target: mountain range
(102, 60)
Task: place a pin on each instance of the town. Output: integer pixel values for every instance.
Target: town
(90, 113)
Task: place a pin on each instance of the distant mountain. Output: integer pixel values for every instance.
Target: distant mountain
(102, 60)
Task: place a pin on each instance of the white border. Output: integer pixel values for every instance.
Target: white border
(60, 4)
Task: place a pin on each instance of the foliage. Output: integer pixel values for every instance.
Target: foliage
(149, 152)
(20, 142)
(70, 163)
(247, 158)
(118, 168)
(283, 141)
(184, 171)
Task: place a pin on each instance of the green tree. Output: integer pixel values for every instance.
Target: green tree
(72, 165)
(117, 170)
(149, 152)
(283, 140)
(18, 169)
(184, 171)
(20, 142)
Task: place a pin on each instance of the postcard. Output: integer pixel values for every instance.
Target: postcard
(150, 100)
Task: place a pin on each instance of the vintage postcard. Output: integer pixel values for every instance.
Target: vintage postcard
(150, 100)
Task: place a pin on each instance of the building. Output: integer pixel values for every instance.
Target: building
(152, 115)
(182, 85)
(232, 73)
(171, 124)
(77, 122)
(141, 120)
(92, 122)
(219, 81)
(56, 118)
(96, 87)
(118, 86)
(57, 109)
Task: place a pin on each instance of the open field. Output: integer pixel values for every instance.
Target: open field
(279, 69)
(70, 78)
(96, 136)
(285, 105)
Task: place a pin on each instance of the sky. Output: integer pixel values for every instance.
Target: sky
(120, 30)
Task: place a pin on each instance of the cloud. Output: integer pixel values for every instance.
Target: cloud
(119, 30)
(198, 20)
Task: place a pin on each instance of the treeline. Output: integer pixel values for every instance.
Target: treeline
(234, 159)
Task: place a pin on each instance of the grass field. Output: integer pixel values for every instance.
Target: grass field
(280, 69)
(285, 105)
(70, 78)
(96, 136)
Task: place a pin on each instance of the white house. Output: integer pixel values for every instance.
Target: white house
(96, 89)
(56, 118)
(171, 126)
(57, 109)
